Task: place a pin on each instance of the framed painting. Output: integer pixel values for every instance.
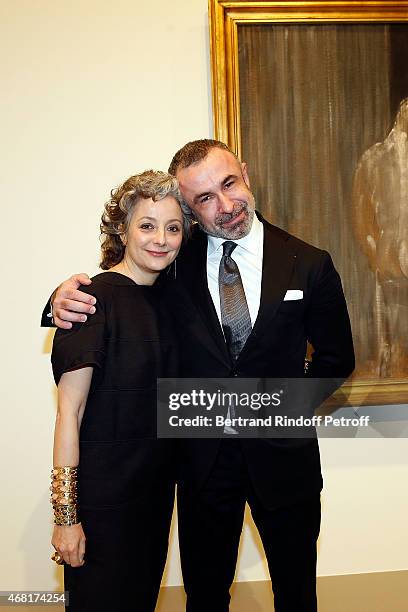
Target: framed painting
(314, 97)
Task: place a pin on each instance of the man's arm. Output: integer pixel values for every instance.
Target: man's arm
(328, 325)
(68, 305)
(329, 331)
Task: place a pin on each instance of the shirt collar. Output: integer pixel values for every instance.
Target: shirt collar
(252, 242)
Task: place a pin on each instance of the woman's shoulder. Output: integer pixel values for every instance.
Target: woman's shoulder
(108, 287)
(105, 282)
(101, 287)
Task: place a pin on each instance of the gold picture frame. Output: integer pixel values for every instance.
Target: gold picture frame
(229, 20)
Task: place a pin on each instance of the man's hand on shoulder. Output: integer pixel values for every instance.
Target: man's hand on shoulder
(69, 305)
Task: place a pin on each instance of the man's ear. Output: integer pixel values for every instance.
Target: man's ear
(244, 170)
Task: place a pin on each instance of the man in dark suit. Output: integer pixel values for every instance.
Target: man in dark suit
(285, 293)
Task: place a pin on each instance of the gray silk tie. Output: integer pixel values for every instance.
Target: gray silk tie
(235, 318)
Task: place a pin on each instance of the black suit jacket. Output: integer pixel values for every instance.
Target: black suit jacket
(282, 471)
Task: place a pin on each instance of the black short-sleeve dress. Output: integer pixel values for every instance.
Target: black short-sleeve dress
(126, 475)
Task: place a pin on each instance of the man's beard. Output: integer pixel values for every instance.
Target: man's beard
(237, 231)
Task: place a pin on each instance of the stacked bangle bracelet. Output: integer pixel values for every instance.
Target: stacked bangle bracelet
(64, 495)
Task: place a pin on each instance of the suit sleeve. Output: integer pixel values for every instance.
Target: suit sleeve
(46, 317)
(328, 326)
(84, 344)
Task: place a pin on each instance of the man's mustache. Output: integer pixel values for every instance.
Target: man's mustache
(226, 217)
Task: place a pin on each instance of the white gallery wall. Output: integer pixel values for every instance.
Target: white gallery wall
(91, 92)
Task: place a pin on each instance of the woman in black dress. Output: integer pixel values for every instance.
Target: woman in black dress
(113, 481)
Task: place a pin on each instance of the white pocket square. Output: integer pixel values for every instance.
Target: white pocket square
(293, 294)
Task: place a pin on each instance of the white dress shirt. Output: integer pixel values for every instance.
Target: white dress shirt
(248, 255)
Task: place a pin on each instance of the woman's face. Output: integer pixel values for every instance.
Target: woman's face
(154, 235)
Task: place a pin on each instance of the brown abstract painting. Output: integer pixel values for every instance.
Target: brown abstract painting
(321, 118)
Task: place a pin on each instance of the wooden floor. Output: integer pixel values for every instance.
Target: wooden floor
(378, 592)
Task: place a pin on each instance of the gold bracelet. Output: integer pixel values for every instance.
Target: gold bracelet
(59, 498)
(64, 494)
(67, 470)
(63, 485)
(65, 515)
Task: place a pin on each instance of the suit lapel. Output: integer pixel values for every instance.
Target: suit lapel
(277, 268)
(195, 279)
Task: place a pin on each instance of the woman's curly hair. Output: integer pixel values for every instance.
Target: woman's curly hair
(119, 209)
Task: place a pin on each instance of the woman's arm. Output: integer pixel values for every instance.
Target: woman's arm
(73, 390)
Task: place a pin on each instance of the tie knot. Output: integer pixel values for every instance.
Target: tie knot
(228, 247)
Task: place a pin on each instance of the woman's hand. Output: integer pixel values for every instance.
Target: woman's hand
(69, 542)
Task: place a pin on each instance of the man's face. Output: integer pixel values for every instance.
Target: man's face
(217, 191)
